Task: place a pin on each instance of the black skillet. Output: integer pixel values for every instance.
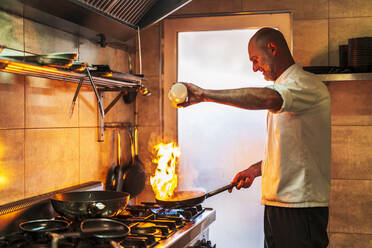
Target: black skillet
(99, 228)
(44, 225)
(190, 198)
(134, 176)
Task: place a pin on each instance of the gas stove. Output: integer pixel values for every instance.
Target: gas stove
(149, 226)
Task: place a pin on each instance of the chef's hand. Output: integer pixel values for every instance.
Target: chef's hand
(244, 179)
(194, 95)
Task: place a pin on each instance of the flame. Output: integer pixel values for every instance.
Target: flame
(164, 181)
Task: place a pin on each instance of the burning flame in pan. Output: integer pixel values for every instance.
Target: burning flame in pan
(164, 181)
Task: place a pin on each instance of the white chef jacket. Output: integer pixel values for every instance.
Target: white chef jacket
(296, 167)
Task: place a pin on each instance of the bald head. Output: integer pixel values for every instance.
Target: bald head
(266, 35)
(269, 53)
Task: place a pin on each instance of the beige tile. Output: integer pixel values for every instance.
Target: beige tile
(12, 100)
(94, 54)
(148, 107)
(121, 111)
(351, 156)
(86, 107)
(310, 41)
(342, 29)
(48, 103)
(351, 103)
(42, 39)
(347, 240)
(11, 165)
(150, 51)
(52, 159)
(210, 6)
(349, 8)
(148, 137)
(301, 9)
(11, 32)
(350, 206)
(96, 158)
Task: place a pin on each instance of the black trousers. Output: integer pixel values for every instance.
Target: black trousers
(296, 227)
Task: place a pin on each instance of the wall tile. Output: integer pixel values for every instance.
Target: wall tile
(11, 165)
(351, 156)
(351, 103)
(350, 203)
(150, 51)
(121, 112)
(96, 158)
(94, 54)
(42, 39)
(48, 103)
(51, 159)
(148, 107)
(310, 39)
(342, 29)
(148, 137)
(347, 8)
(12, 100)
(11, 32)
(210, 6)
(302, 9)
(86, 107)
(347, 240)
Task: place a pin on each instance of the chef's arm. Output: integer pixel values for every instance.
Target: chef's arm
(244, 179)
(248, 98)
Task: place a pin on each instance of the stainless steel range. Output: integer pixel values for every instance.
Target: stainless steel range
(148, 225)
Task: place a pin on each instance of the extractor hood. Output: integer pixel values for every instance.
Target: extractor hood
(109, 19)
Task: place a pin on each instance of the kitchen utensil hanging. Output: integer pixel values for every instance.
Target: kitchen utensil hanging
(134, 178)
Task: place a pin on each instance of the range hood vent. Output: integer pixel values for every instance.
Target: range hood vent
(126, 11)
(116, 19)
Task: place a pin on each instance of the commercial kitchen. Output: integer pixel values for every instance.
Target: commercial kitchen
(86, 111)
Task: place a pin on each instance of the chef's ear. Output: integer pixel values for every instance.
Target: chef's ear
(272, 47)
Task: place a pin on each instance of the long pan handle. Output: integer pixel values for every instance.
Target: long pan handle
(222, 189)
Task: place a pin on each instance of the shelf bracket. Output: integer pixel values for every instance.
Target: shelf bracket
(101, 120)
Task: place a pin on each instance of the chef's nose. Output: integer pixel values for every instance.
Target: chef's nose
(255, 67)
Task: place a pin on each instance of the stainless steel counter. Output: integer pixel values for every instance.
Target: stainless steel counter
(191, 232)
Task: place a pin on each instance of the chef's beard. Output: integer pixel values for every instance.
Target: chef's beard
(269, 75)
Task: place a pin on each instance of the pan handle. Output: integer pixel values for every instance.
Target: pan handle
(222, 189)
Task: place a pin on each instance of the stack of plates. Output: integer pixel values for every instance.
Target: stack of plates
(360, 53)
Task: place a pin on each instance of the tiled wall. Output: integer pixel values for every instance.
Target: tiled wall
(41, 148)
(319, 27)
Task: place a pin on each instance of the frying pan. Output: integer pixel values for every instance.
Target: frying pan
(134, 174)
(190, 198)
(44, 225)
(90, 204)
(116, 174)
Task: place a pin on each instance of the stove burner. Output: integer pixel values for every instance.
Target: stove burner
(144, 228)
(148, 225)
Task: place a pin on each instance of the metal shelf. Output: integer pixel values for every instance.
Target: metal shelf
(340, 77)
(28, 69)
(128, 85)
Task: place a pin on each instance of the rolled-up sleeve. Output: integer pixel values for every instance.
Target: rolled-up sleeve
(296, 96)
